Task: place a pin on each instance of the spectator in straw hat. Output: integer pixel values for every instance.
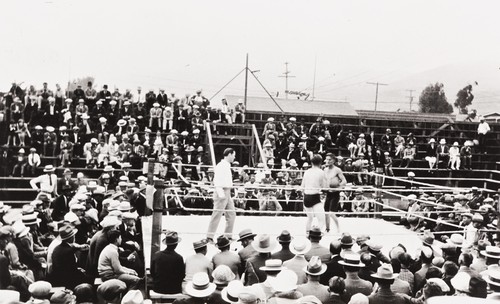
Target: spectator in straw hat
(385, 278)
(264, 290)
(47, 181)
(226, 257)
(40, 292)
(230, 293)
(198, 290)
(285, 285)
(298, 246)
(264, 245)
(167, 267)
(492, 277)
(353, 283)
(222, 276)
(313, 287)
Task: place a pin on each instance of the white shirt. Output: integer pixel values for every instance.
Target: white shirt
(34, 159)
(223, 177)
(483, 128)
(48, 183)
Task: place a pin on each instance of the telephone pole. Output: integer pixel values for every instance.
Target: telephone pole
(410, 97)
(286, 75)
(376, 91)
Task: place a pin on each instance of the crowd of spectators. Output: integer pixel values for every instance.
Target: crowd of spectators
(77, 230)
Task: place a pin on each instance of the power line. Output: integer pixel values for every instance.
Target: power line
(286, 76)
(376, 91)
(410, 97)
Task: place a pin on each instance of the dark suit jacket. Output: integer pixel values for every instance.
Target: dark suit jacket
(168, 271)
(333, 268)
(60, 206)
(65, 270)
(283, 255)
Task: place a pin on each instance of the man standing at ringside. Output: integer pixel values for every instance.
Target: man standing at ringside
(336, 180)
(223, 203)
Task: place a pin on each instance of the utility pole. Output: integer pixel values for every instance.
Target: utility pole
(314, 79)
(286, 76)
(410, 97)
(246, 83)
(376, 91)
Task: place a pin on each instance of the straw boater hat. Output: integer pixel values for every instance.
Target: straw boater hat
(264, 243)
(493, 275)
(272, 265)
(300, 245)
(200, 286)
(315, 267)
(49, 168)
(385, 272)
(491, 252)
(352, 260)
(232, 291)
(30, 219)
(20, 229)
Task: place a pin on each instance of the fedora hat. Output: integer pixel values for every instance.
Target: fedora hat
(456, 240)
(315, 267)
(245, 233)
(491, 252)
(199, 244)
(222, 275)
(315, 232)
(264, 243)
(300, 246)
(49, 168)
(232, 291)
(223, 242)
(30, 219)
(385, 272)
(352, 260)
(292, 162)
(286, 280)
(171, 238)
(428, 238)
(200, 286)
(66, 232)
(272, 265)
(284, 237)
(346, 239)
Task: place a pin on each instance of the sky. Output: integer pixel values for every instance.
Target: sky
(185, 45)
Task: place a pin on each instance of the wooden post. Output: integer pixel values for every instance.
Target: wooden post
(158, 205)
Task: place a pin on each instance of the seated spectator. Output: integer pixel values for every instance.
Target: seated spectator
(167, 267)
(109, 266)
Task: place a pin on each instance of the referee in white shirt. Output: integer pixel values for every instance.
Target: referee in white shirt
(223, 202)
